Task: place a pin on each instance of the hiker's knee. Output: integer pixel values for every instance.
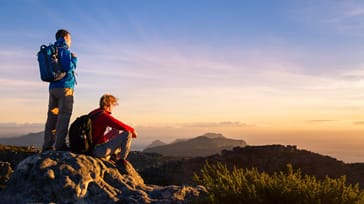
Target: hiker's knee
(128, 135)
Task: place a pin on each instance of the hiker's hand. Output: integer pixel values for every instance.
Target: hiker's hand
(134, 134)
(73, 55)
(114, 131)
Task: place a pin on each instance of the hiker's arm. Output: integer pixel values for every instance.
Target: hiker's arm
(67, 60)
(117, 124)
(134, 134)
(116, 131)
(73, 61)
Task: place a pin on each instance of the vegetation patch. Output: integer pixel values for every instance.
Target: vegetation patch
(251, 186)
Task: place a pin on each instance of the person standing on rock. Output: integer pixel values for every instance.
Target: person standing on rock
(111, 137)
(60, 96)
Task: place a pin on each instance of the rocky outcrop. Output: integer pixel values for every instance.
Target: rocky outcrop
(16, 154)
(64, 177)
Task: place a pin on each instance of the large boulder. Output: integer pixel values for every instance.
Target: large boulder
(64, 177)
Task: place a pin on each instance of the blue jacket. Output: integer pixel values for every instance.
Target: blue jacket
(68, 65)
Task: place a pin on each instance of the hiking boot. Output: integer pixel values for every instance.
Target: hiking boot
(121, 165)
(121, 162)
(47, 149)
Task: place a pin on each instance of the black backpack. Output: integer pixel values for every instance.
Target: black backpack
(50, 67)
(80, 134)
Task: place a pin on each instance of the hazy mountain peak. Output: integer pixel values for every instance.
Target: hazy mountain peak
(156, 143)
(211, 135)
(204, 145)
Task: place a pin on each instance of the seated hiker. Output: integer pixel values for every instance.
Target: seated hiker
(111, 137)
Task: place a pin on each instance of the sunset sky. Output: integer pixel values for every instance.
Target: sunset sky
(247, 67)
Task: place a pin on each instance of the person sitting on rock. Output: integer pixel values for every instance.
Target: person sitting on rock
(111, 137)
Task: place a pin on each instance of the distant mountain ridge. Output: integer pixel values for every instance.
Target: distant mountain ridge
(31, 139)
(156, 143)
(204, 145)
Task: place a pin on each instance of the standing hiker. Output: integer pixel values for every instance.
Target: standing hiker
(60, 96)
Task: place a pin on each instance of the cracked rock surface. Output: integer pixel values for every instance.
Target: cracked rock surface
(64, 177)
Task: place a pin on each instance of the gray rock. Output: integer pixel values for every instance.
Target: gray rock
(64, 177)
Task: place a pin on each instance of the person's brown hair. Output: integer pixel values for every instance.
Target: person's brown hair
(107, 100)
(61, 33)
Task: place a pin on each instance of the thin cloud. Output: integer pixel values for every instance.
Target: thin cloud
(217, 124)
(222, 124)
(185, 66)
(16, 125)
(358, 123)
(183, 71)
(320, 121)
(339, 15)
(20, 85)
(14, 53)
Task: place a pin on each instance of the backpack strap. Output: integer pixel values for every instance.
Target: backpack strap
(93, 116)
(56, 51)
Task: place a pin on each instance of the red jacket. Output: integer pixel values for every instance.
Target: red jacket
(101, 122)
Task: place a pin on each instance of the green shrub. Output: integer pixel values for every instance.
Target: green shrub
(251, 186)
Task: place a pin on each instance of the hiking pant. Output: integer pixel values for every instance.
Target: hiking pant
(118, 144)
(59, 114)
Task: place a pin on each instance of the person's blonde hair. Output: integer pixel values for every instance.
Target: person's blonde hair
(108, 100)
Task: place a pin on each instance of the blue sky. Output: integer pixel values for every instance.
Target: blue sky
(208, 63)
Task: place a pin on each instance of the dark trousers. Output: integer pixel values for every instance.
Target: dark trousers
(118, 144)
(59, 113)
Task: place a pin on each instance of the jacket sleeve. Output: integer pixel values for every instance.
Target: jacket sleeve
(73, 63)
(117, 124)
(68, 62)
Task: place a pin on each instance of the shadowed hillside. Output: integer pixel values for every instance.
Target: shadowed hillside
(31, 139)
(15, 154)
(269, 158)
